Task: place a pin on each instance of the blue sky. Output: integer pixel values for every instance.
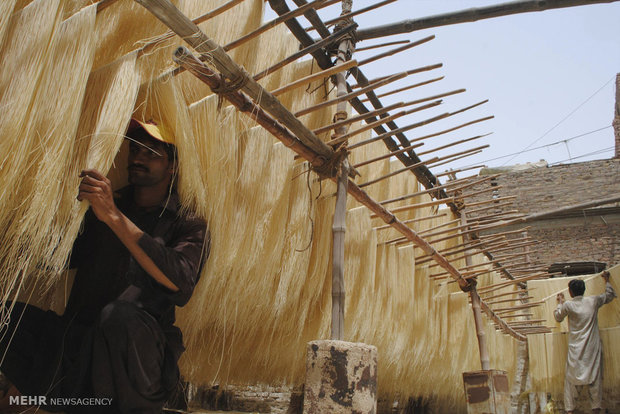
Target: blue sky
(549, 77)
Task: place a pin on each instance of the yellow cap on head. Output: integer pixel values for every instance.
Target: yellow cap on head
(151, 128)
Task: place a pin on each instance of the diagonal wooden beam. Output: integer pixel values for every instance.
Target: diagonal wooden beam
(471, 15)
(172, 17)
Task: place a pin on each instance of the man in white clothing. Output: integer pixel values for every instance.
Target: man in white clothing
(585, 351)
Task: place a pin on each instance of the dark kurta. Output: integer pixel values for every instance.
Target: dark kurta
(116, 338)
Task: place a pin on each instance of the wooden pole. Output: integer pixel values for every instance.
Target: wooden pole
(471, 15)
(355, 13)
(345, 51)
(480, 329)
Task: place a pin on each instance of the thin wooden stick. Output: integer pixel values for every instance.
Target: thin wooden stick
(472, 253)
(373, 85)
(440, 226)
(501, 295)
(354, 13)
(449, 172)
(462, 141)
(475, 193)
(454, 128)
(311, 78)
(381, 121)
(452, 159)
(395, 51)
(499, 205)
(414, 220)
(493, 200)
(366, 116)
(315, 4)
(418, 205)
(504, 233)
(430, 190)
(400, 130)
(170, 34)
(497, 286)
(397, 42)
(471, 244)
(366, 127)
(389, 155)
(406, 88)
(458, 154)
(313, 47)
(376, 180)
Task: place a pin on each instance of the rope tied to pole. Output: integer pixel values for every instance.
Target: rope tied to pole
(227, 86)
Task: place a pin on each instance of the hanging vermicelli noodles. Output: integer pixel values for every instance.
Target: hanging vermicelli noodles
(6, 10)
(49, 131)
(69, 90)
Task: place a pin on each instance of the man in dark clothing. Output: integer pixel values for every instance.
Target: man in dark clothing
(137, 258)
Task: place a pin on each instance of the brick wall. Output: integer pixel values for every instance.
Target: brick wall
(591, 237)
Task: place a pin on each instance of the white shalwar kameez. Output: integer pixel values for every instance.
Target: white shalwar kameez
(585, 350)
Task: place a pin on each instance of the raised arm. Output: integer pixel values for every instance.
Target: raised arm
(97, 189)
(559, 313)
(609, 294)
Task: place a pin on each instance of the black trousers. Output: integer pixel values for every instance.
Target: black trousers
(118, 364)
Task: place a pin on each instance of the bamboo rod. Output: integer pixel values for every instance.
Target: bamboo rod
(338, 231)
(475, 193)
(528, 321)
(480, 329)
(400, 130)
(365, 128)
(458, 170)
(307, 50)
(493, 200)
(454, 128)
(383, 120)
(389, 155)
(371, 86)
(519, 307)
(493, 215)
(354, 13)
(472, 253)
(470, 15)
(524, 315)
(446, 224)
(452, 159)
(408, 72)
(462, 141)
(501, 285)
(418, 205)
(311, 78)
(517, 246)
(406, 88)
(414, 220)
(475, 242)
(465, 152)
(396, 50)
(397, 42)
(315, 4)
(503, 233)
(499, 205)
(430, 190)
(475, 230)
(165, 11)
(376, 180)
(356, 118)
(501, 295)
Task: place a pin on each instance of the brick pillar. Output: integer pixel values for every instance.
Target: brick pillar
(341, 378)
(616, 121)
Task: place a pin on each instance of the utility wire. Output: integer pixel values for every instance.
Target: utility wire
(542, 146)
(601, 151)
(563, 119)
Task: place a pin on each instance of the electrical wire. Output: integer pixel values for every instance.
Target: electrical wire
(601, 151)
(542, 146)
(563, 119)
